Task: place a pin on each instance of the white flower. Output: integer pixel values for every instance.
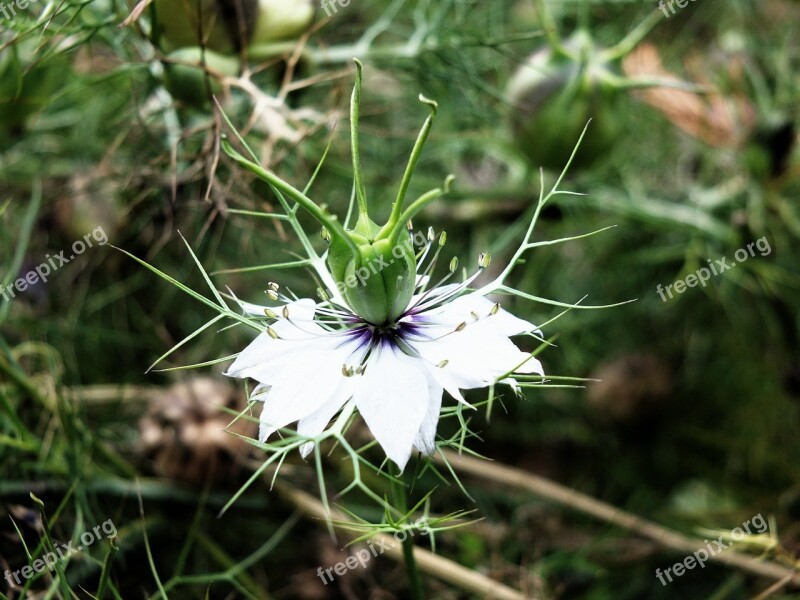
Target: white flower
(315, 359)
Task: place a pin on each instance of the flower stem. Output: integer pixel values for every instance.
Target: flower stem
(414, 579)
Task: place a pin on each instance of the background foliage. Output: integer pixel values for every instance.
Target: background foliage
(694, 424)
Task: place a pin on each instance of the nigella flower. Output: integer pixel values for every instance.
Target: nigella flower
(316, 359)
(380, 341)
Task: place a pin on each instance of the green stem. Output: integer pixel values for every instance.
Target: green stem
(630, 41)
(414, 579)
(412, 163)
(324, 218)
(550, 27)
(355, 107)
(416, 206)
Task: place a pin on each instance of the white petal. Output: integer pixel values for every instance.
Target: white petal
(425, 441)
(266, 356)
(474, 357)
(393, 398)
(303, 385)
(315, 423)
(448, 381)
(466, 308)
(301, 310)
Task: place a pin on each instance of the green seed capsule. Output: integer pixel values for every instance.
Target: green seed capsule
(281, 20)
(379, 283)
(228, 26)
(180, 24)
(554, 96)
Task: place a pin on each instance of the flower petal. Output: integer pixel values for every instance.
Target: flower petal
(474, 356)
(425, 441)
(473, 307)
(315, 423)
(393, 398)
(296, 378)
(301, 387)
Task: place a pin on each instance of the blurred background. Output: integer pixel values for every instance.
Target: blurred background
(691, 415)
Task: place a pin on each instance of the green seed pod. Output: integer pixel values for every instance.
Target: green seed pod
(212, 24)
(186, 79)
(227, 26)
(553, 97)
(280, 20)
(377, 285)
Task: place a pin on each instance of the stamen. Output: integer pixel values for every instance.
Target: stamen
(270, 313)
(272, 333)
(443, 364)
(495, 309)
(484, 260)
(421, 256)
(426, 302)
(434, 259)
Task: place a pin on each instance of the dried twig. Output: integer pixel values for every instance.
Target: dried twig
(611, 514)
